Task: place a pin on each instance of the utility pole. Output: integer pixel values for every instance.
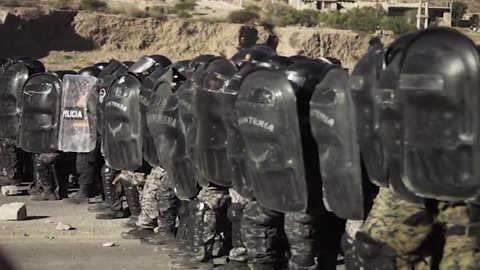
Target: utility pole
(422, 17)
(427, 5)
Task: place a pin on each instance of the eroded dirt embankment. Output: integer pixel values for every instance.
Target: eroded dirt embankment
(68, 39)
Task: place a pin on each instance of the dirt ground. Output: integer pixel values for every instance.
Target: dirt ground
(36, 244)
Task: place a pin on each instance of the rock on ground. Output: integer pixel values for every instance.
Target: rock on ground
(13, 211)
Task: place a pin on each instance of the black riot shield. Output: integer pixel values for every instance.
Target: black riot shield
(189, 120)
(122, 135)
(333, 125)
(241, 180)
(39, 122)
(106, 77)
(269, 125)
(439, 87)
(211, 139)
(391, 127)
(12, 80)
(170, 138)
(155, 107)
(149, 86)
(78, 120)
(363, 79)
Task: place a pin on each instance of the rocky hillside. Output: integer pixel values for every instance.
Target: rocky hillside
(65, 39)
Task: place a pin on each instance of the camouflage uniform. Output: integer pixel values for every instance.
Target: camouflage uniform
(158, 201)
(211, 222)
(460, 251)
(301, 232)
(235, 213)
(411, 231)
(183, 222)
(264, 237)
(42, 172)
(314, 239)
(16, 164)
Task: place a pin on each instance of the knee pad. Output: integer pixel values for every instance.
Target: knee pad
(108, 172)
(183, 210)
(256, 214)
(374, 254)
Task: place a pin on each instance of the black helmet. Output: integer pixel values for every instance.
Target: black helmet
(307, 73)
(128, 64)
(100, 65)
(33, 65)
(202, 60)
(92, 71)
(162, 60)
(147, 64)
(180, 70)
(397, 46)
(61, 73)
(331, 60)
(264, 49)
(298, 57)
(113, 67)
(256, 53)
(276, 62)
(222, 66)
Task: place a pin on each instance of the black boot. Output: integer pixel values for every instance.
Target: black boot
(43, 176)
(189, 263)
(111, 195)
(46, 195)
(234, 265)
(98, 207)
(112, 212)
(160, 238)
(82, 196)
(138, 233)
(131, 222)
(133, 198)
(35, 188)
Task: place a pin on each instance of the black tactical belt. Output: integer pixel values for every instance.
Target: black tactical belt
(470, 230)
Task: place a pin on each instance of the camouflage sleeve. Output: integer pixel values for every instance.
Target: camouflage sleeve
(125, 176)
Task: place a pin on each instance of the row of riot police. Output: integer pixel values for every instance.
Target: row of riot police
(278, 162)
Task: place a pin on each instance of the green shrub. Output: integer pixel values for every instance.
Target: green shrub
(458, 10)
(306, 17)
(183, 14)
(282, 15)
(96, 5)
(243, 16)
(158, 12)
(334, 19)
(363, 19)
(185, 5)
(398, 25)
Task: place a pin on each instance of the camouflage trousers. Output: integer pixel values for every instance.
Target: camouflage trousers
(264, 237)
(159, 204)
(211, 221)
(314, 239)
(42, 170)
(235, 213)
(408, 228)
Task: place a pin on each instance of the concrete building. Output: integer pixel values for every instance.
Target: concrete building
(436, 14)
